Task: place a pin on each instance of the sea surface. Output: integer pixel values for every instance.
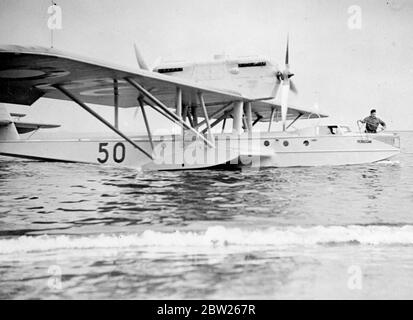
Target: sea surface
(78, 231)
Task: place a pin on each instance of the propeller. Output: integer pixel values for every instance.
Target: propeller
(287, 85)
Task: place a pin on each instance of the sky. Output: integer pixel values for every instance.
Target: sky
(344, 66)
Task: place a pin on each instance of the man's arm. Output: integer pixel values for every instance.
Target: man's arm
(382, 123)
(364, 120)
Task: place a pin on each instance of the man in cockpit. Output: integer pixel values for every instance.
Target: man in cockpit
(372, 122)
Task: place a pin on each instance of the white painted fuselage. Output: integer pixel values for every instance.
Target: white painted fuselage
(173, 152)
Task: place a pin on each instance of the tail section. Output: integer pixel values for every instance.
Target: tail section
(8, 129)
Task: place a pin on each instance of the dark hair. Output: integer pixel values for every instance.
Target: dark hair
(372, 111)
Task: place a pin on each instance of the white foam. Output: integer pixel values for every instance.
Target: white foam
(217, 237)
(389, 162)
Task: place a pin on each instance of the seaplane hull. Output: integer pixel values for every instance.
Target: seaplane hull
(177, 153)
(168, 154)
(297, 151)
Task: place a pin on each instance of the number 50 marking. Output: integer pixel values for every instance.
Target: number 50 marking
(119, 152)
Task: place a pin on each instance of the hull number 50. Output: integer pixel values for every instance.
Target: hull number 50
(118, 153)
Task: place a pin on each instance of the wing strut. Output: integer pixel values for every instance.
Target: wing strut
(224, 123)
(116, 102)
(216, 113)
(184, 112)
(156, 108)
(259, 117)
(189, 116)
(292, 122)
(164, 108)
(145, 118)
(248, 113)
(179, 102)
(204, 110)
(271, 119)
(97, 116)
(217, 121)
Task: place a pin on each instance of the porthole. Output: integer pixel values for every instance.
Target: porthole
(306, 143)
(285, 143)
(266, 143)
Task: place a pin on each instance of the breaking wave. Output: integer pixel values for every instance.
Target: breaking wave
(219, 236)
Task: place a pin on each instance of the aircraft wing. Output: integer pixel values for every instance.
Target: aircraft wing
(29, 73)
(264, 109)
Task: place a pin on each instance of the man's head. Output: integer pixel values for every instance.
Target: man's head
(373, 112)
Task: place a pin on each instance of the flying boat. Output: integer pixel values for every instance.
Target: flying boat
(200, 97)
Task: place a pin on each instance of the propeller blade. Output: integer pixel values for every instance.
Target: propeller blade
(274, 91)
(141, 62)
(293, 88)
(287, 52)
(285, 90)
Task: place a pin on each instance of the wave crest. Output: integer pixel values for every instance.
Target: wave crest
(218, 236)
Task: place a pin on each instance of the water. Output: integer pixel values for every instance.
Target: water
(85, 231)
